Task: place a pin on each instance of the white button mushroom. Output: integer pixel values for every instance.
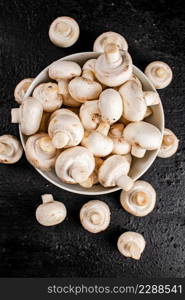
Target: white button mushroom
(40, 151)
(10, 149)
(64, 32)
(89, 69)
(28, 115)
(110, 38)
(47, 94)
(131, 244)
(120, 145)
(134, 105)
(50, 212)
(93, 178)
(90, 115)
(75, 165)
(114, 170)
(140, 199)
(135, 78)
(159, 73)
(151, 98)
(65, 129)
(21, 89)
(113, 67)
(169, 144)
(143, 136)
(95, 216)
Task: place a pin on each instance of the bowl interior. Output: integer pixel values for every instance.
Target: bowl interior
(138, 167)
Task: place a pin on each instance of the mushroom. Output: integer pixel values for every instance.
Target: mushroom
(131, 244)
(142, 136)
(84, 88)
(50, 212)
(21, 89)
(47, 94)
(120, 146)
(134, 106)
(65, 129)
(135, 78)
(75, 165)
(10, 149)
(140, 199)
(113, 67)
(151, 98)
(95, 216)
(89, 69)
(90, 115)
(114, 170)
(40, 151)
(109, 38)
(169, 144)
(159, 73)
(28, 115)
(93, 178)
(64, 32)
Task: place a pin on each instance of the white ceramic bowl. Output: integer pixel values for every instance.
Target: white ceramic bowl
(139, 166)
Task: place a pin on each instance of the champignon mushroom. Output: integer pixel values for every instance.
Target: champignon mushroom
(50, 212)
(95, 216)
(169, 144)
(114, 170)
(89, 69)
(142, 136)
(159, 73)
(135, 78)
(28, 115)
(75, 165)
(10, 149)
(109, 38)
(40, 151)
(90, 115)
(113, 67)
(21, 89)
(151, 98)
(47, 94)
(93, 178)
(140, 199)
(65, 129)
(64, 32)
(134, 105)
(120, 145)
(131, 244)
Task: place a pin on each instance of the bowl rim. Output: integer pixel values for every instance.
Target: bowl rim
(71, 188)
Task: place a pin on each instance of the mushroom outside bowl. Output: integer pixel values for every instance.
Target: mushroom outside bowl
(139, 165)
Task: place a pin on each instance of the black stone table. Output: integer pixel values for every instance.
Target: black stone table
(155, 30)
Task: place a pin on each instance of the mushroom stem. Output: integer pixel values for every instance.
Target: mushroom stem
(168, 140)
(63, 86)
(15, 117)
(135, 251)
(60, 140)
(160, 72)
(3, 148)
(88, 74)
(140, 198)
(46, 145)
(95, 218)
(79, 173)
(112, 54)
(103, 128)
(47, 198)
(125, 182)
(137, 151)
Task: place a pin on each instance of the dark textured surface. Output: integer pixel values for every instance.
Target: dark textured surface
(154, 30)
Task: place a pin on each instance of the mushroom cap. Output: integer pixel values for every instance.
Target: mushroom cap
(64, 69)
(47, 94)
(112, 169)
(10, 149)
(67, 123)
(140, 199)
(144, 134)
(159, 73)
(110, 37)
(64, 32)
(40, 151)
(21, 89)
(113, 68)
(136, 79)
(169, 144)
(95, 216)
(120, 146)
(131, 244)
(89, 65)
(82, 89)
(75, 165)
(51, 213)
(110, 106)
(151, 98)
(90, 114)
(134, 105)
(99, 144)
